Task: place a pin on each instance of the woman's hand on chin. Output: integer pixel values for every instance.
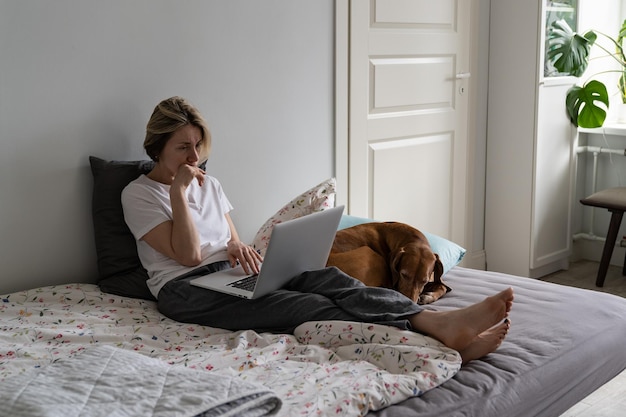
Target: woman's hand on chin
(187, 173)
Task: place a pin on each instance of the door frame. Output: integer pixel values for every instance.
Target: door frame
(342, 90)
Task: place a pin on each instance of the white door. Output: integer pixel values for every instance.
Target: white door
(407, 121)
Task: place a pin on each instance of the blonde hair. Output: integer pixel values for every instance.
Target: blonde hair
(168, 116)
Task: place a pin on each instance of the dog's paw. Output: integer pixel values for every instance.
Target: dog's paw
(427, 298)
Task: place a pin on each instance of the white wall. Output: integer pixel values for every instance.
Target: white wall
(81, 77)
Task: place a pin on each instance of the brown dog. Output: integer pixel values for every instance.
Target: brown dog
(392, 255)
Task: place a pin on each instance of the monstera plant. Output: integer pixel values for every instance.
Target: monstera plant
(569, 52)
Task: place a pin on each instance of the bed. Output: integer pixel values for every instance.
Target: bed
(103, 348)
(564, 343)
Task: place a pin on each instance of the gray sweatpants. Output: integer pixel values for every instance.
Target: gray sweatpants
(326, 294)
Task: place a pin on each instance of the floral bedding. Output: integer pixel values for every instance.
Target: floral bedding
(324, 368)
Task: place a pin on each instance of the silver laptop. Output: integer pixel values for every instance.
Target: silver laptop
(295, 246)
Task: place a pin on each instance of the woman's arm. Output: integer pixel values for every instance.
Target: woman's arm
(178, 238)
(240, 252)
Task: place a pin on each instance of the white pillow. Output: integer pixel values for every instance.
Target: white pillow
(318, 198)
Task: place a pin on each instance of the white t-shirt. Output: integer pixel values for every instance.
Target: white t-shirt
(147, 204)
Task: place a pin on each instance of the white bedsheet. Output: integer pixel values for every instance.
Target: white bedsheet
(336, 368)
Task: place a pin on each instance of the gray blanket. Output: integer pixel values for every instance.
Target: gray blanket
(106, 381)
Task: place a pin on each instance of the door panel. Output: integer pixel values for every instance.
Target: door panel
(402, 84)
(417, 12)
(416, 161)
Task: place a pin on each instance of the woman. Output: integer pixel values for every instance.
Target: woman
(180, 218)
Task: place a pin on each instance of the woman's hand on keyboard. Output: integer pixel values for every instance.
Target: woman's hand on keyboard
(239, 252)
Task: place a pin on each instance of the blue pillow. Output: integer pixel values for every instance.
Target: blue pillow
(449, 252)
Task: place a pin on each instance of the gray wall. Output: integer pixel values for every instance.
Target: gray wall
(81, 77)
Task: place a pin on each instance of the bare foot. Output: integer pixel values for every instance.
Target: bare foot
(457, 329)
(486, 342)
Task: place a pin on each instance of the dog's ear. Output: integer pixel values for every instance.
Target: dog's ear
(438, 270)
(438, 273)
(395, 265)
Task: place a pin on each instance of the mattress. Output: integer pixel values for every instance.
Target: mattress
(564, 343)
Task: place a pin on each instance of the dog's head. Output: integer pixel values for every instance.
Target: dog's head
(412, 267)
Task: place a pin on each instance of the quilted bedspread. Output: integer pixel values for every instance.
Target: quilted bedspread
(324, 368)
(107, 381)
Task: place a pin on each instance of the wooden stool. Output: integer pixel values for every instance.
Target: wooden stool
(614, 200)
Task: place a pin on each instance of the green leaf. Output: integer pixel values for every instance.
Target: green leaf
(620, 53)
(621, 35)
(568, 51)
(583, 107)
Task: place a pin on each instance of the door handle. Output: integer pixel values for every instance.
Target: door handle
(463, 75)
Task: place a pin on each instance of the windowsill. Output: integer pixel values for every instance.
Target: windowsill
(614, 128)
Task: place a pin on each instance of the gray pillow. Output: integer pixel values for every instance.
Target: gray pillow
(119, 267)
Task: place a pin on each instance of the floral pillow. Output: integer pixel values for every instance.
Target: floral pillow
(318, 198)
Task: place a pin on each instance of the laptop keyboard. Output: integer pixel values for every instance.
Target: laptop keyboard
(246, 283)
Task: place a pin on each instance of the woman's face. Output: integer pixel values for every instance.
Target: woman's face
(181, 148)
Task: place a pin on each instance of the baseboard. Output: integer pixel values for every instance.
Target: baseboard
(478, 260)
(592, 250)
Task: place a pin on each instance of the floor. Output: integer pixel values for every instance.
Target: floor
(610, 399)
